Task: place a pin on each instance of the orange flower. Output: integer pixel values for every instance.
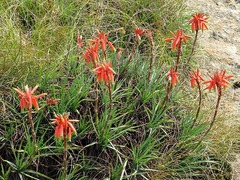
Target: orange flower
(52, 102)
(195, 77)
(27, 98)
(102, 39)
(177, 38)
(173, 76)
(219, 81)
(104, 72)
(64, 125)
(91, 54)
(138, 33)
(198, 21)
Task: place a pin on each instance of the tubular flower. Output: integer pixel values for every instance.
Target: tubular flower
(91, 54)
(52, 102)
(177, 38)
(198, 21)
(218, 80)
(104, 72)
(138, 33)
(195, 77)
(27, 99)
(173, 76)
(102, 39)
(64, 125)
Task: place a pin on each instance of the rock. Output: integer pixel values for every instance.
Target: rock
(236, 85)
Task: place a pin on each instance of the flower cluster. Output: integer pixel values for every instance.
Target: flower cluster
(218, 80)
(27, 99)
(177, 38)
(103, 70)
(91, 54)
(139, 32)
(196, 77)
(64, 126)
(173, 76)
(98, 47)
(198, 21)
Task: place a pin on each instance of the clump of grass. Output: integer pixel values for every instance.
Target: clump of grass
(126, 129)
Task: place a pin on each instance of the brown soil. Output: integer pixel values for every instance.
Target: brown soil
(220, 49)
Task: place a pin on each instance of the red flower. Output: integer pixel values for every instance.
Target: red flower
(52, 102)
(173, 76)
(102, 39)
(177, 38)
(104, 72)
(198, 21)
(195, 77)
(91, 54)
(64, 125)
(219, 81)
(27, 98)
(138, 33)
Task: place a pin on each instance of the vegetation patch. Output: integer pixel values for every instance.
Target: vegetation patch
(95, 90)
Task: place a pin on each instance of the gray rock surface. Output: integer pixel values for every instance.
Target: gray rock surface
(221, 46)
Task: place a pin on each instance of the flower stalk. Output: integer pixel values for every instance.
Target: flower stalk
(215, 112)
(199, 103)
(198, 21)
(65, 155)
(27, 100)
(172, 81)
(178, 54)
(217, 82)
(64, 130)
(193, 47)
(108, 84)
(148, 33)
(195, 80)
(32, 130)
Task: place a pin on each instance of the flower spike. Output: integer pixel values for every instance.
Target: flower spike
(27, 99)
(173, 76)
(64, 125)
(104, 72)
(198, 21)
(218, 81)
(195, 77)
(177, 38)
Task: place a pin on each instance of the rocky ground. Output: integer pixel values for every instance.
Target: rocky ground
(221, 47)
